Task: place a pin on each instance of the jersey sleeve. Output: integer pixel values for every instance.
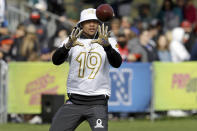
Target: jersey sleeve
(113, 54)
(70, 52)
(114, 44)
(63, 42)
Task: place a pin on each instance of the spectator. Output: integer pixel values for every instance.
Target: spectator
(4, 31)
(56, 7)
(167, 15)
(190, 12)
(177, 49)
(135, 47)
(124, 7)
(179, 9)
(5, 46)
(145, 13)
(190, 35)
(168, 36)
(134, 31)
(178, 54)
(138, 25)
(115, 27)
(41, 5)
(3, 22)
(45, 55)
(129, 34)
(153, 33)
(126, 22)
(156, 27)
(61, 22)
(162, 47)
(194, 53)
(141, 48)
(57, 39)
(18, 39)
(123, 46)
(30, 49)
(41, 32)
(5, 41)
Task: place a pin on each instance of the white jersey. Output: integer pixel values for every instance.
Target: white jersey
(89, 68)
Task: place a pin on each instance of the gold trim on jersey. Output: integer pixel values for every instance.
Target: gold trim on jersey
(81, 64)
(94, 66)
(92, 60)
(81, 58)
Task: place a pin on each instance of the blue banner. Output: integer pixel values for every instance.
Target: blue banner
(130, 88)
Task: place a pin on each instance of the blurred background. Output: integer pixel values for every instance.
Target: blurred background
(47, 22)
(157, 40)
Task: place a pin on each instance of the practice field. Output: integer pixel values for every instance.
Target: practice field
(136, 125)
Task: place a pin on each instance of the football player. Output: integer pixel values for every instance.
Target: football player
(90, 52)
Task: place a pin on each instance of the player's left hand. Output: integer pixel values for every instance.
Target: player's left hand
(72, 41)
(103, 36)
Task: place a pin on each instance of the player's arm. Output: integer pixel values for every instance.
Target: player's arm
(113, 56)
(61, 54)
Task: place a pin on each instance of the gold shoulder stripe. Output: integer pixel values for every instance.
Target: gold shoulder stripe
(116, 45)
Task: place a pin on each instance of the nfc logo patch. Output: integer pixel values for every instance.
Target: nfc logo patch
(120, 87)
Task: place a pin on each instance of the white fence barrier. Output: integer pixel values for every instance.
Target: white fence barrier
(3, 91)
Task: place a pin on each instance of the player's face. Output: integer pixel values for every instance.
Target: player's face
(90, 27)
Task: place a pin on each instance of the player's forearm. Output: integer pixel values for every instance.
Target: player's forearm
(113, 56)
(60, 55)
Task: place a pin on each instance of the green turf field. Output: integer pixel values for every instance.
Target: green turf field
(136, 125)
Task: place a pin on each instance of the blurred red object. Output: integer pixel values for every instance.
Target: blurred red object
(185, 24)
(35, 15)
(137, 56)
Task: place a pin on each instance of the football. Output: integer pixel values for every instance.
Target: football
(104, 12)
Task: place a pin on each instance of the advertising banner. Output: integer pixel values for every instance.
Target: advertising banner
(130, 88)
(175, 86)
(27, 81)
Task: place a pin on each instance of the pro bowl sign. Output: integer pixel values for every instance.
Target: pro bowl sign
(130, 88)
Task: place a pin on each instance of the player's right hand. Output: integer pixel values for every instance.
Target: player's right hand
(72, 41)
(103, 36)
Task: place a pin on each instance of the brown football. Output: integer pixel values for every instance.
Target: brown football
(104, 12)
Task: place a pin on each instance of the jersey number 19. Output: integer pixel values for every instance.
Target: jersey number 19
(92, 61)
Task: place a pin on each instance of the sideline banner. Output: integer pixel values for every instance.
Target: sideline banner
(130, 88)
(175, 86)
(27, 81)
(130, 84)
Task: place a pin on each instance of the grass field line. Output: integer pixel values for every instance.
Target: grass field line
(124, 125)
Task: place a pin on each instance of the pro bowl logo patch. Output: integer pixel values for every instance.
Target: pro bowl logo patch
(99, 124)
(120, 87)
